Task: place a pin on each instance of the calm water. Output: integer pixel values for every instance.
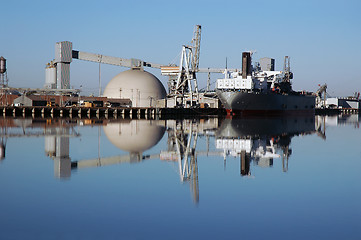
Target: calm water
(289, 178)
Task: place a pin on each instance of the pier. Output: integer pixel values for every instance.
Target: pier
(106, 112)
(331, 111)
(130, 113)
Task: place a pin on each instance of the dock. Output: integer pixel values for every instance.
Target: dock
(130, 112)
(106, 112)
(333, 111)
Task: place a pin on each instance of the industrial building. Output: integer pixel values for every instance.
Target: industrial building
(28, 101)
(335, 102)
(50, 100)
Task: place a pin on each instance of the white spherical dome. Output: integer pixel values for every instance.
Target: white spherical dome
(134, 136)
(141, 87)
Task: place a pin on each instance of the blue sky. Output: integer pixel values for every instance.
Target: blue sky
(323, 38)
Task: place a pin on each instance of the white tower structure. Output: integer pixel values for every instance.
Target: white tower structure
(50, 76)
(63, 58)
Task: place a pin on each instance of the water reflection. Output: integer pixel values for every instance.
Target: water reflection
(55, 132)
(132, 136)
(182, 148)
(261, 140)
(135, 136)
(251, 140)
(338, 120)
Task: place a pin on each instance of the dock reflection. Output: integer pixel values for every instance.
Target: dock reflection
(251, 140)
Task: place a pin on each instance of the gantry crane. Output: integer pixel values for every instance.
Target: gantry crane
(182, 79)
(182, 82)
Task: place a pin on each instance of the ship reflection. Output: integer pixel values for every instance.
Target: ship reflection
(261, 140)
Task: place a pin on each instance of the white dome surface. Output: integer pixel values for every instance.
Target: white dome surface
(134, 136)
(141, 87)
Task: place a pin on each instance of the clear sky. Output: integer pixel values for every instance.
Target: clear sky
(323, 38)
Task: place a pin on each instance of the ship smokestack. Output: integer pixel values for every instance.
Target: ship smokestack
(246, 65)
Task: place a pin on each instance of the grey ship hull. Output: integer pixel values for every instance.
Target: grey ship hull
(266, 103)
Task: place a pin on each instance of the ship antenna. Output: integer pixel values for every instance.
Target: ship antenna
(226, 62)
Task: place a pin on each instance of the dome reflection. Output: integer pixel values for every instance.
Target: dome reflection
(135, 136)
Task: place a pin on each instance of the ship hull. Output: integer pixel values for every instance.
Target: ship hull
(248, 103)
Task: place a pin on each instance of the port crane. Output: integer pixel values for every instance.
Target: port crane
(186, 81)
(321, 96)
(182, 83)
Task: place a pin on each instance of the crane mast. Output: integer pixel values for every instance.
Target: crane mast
(183, 80)
(182, 83)
(196, 43)
(321, 96)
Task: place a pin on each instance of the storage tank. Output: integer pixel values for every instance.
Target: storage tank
(50, 76)
(141, 87)
(2, 64)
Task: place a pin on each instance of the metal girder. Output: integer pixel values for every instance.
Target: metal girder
(42, 90)
(216, 70)
(99, 58)
(174, 70)
(98, 162)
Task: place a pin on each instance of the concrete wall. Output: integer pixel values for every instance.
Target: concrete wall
(23, 101)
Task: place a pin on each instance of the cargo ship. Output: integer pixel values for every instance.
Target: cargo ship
(262, 90)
